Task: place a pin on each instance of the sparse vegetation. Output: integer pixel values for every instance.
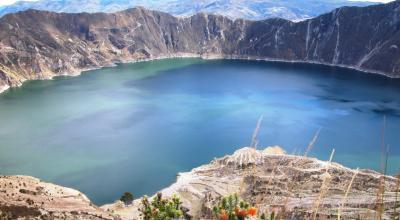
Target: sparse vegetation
(312, 143)
(233, 208)
(272, 216)
(127, 198)
(396, 205)
(324, 187)
(346, 194)
(384, 159)
(162, 208)
(254, 138)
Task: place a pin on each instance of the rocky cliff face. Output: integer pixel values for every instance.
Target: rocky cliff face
(291, 185)
(40, 45)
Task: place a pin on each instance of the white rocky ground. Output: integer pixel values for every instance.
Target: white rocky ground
(24, 197)
(271, 179)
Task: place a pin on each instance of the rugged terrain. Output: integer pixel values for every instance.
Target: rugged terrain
(23, 197)
(271, 180)
(41, 45)
(291, 185)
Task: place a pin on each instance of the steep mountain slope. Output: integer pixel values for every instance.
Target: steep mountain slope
(253, 10)
(40, 45)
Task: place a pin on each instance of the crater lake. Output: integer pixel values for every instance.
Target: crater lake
(133, 127)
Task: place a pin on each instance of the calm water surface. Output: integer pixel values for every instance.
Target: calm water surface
(135, 126)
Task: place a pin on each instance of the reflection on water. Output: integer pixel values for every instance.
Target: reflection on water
(135, 126)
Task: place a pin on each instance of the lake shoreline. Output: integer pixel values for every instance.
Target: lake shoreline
(204, 57)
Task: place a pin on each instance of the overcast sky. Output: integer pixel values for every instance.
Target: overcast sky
(8, 2)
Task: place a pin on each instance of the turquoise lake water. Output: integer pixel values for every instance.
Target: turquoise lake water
(135, 126)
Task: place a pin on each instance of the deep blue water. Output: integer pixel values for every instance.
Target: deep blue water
(135, 126)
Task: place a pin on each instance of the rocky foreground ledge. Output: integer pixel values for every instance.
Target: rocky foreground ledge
(24, 197)
(270, 179)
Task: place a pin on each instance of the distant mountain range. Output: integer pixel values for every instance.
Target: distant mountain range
(251, 10)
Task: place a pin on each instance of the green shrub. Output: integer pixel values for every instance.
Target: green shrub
(127, 198)
(233, 208)
(271, 216)
(161, 208)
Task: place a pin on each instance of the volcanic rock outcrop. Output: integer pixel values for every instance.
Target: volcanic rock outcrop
(40, 45)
